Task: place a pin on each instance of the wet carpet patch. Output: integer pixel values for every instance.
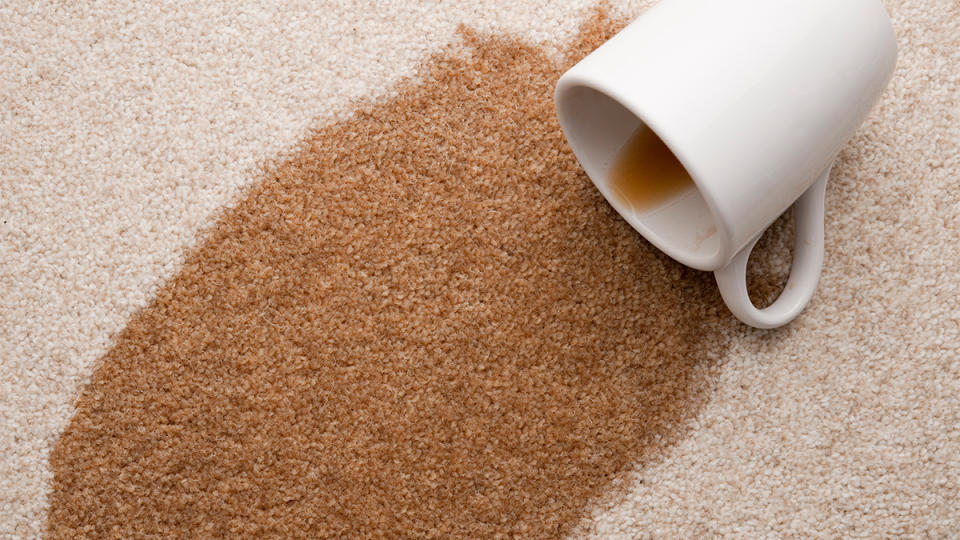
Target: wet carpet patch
(427, 323)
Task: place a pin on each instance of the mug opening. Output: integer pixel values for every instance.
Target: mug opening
(641, 176)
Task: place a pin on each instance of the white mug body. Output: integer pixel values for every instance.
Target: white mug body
(754, 97)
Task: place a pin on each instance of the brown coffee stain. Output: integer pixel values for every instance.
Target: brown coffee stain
(428, 323)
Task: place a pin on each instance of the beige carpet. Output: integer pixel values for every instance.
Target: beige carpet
(284, 269)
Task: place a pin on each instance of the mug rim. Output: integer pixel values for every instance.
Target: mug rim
(571, 81)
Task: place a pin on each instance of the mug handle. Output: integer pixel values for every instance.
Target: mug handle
(807, 263)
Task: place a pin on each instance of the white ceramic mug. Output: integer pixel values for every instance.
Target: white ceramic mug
(755, 98)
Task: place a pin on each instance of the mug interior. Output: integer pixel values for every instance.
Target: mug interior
(598, 128)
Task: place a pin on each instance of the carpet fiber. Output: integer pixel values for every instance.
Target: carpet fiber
(290, 270)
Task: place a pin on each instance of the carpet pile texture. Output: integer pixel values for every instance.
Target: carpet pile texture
(297, 269)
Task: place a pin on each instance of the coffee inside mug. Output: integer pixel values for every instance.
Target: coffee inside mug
(643, 179)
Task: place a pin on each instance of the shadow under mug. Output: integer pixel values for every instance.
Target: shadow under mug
(755, 98)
